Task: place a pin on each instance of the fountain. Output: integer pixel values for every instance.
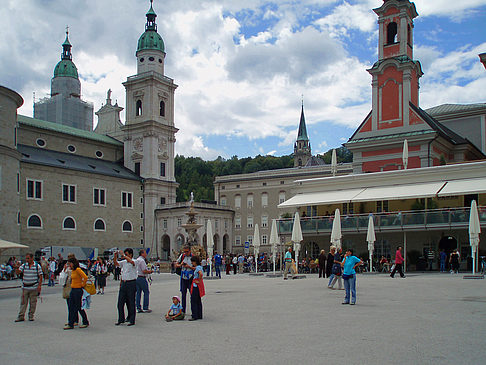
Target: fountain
(191, 228)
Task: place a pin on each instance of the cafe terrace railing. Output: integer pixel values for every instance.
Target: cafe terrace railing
(387, 221)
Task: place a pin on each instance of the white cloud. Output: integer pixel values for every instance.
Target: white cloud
(250, 88)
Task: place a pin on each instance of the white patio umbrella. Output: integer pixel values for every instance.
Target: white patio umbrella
(297, 238)
(405, 154)
(334, 163)
(371, 238)
(256, 245)
(274, 241)
(474, 231)
(210, 242)
(336, 230)
(5, 245)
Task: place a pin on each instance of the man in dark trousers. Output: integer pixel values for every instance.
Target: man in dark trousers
(187, 273)
(128, 286)
(322, 264)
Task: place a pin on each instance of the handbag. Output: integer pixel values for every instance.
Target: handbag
(90, 287)
(336, 269)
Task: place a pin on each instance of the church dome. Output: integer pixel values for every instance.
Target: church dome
(150, 39)
(66, 68)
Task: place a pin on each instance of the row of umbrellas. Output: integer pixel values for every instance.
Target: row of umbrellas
(336, 236)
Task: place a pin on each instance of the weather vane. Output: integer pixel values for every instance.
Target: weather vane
(67, 29)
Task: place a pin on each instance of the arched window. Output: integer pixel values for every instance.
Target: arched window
(69, 224)
(162, 109)
(138, 111)
(391, 33)
(34, 221)
(127, 226)
(99, 225)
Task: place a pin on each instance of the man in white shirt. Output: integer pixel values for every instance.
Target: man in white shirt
(128, 286)
(142, 284)
(52, 271)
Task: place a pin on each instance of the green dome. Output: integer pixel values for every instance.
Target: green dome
(150, 39)
(66, 68)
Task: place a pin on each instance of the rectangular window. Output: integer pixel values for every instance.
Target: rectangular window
(264, 221)
(18, 182)
(237, 201)
(34, 189)
(99, 196)
(281, 197)
(223, 201)
(250, 222)
(126, 199)
(225, 224)
(162, 169)
(137, 168)
(237, 240)
(264, 239)
(264, 200)
(237, 222)
(162, 201)
(382, 206)
(250, 239)
(164, 224)
(249, 200)
(68, 193)
(179, 222)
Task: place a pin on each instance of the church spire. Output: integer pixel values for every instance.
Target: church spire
(66, 48)
(302, 135)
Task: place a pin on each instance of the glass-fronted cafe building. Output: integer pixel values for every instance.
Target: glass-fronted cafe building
(424, 209)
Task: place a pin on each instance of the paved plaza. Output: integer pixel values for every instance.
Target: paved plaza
(422, 319)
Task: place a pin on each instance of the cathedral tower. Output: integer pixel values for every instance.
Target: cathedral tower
(149, 128)
(65, 105)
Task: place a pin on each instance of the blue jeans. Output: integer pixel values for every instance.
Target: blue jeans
(218, 269)
(51, 279)
(442, 266)
(350, 286)
(142, 286)
(330, 279)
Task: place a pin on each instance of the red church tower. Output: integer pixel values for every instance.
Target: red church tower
(396, 115)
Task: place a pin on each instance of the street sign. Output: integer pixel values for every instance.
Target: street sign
(247, 244)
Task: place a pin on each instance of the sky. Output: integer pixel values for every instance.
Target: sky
(244, 67)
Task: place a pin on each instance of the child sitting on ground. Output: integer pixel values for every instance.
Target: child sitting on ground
(175, 311)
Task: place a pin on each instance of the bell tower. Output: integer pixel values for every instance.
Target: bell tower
(395, 75)
(149, 131)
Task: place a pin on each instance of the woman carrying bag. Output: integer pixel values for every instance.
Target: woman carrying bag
(78, 282)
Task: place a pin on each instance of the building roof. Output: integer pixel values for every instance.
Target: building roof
(315, 161)
(60, 128)
(454, 108)
(41, 156)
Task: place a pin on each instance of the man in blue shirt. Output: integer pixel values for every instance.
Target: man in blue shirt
(218, 261)
(349, 265)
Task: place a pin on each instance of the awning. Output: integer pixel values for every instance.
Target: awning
(321, 198)
(466, 186)
(400, 192)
